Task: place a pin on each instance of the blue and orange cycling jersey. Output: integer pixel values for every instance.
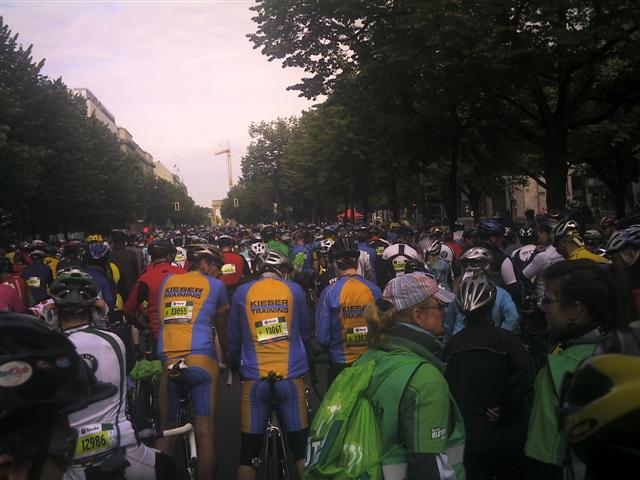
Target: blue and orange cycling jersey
(187, 305)
(340, 325)
(268, 321)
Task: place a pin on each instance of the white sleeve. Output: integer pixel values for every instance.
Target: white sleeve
(536, 265)
(507, 272)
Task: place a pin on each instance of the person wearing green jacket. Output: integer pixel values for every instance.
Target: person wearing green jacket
(583, 301)
(421, 427)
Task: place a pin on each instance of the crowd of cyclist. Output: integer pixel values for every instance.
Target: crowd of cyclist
(497, 312)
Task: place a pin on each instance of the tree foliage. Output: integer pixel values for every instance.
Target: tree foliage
(446, 88)
(61, 170)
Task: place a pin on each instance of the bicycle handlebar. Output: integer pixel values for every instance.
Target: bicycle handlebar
(150, 433)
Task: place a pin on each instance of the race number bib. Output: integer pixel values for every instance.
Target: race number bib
(95, 439)
(356, 336)
(33, 282)
(399, 265)
(178, 312)
(272, 330)
(228, 269)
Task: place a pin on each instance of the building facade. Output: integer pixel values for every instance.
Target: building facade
(96, 109)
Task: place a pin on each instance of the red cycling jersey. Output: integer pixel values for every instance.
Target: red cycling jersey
(144, 295)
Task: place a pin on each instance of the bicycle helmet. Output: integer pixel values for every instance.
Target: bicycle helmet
(528, 235)
(285, 237)
(40, 369)
(600, 407)
(344, 250)
(476, 258)
(161, 247)
(69, 263)
(491, 228)
(73, 290)
(268, 232)
(324, 246)
(257, 248)
(37, 254)
(94, 237)
(458, 225)
(199, 251)
(433, 247)
(608, 221)
(225, 241)
(72, 247)
(99, 250)
(476, 292)
(436, 231)
(621, 239)
(567, 228)
(274, 261)
(592, 237)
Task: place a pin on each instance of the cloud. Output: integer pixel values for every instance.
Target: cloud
(181, 76)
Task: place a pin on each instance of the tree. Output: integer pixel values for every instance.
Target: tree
(546, 69)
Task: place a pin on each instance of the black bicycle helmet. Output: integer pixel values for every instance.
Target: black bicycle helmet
(345, 249)
(476, 292)
(268, 232)
(40, 369)
(528, 235)
(74, 290)
(198, 251)
(162, 247)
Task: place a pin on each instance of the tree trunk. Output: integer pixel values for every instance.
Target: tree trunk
(474, 199)
(393, 193)
(452, 193)
(556, 173)
(620, 199)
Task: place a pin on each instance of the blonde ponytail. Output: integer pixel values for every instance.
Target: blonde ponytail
(377, 321)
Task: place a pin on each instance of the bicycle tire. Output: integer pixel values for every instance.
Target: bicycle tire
(273, 463)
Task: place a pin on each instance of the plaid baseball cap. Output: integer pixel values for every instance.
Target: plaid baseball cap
(411, 289)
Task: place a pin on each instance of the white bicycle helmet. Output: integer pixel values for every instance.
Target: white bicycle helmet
(433, 247)
(257, 248)
(274, 261)
(475, 292)
(325, 245)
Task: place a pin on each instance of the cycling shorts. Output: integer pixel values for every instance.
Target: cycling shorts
(291, 400)
(202, 379)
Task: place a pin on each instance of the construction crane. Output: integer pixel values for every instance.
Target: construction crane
(228, 152)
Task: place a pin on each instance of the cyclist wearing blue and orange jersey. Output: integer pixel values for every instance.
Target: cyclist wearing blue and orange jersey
(340, 325)
(189, 306)
(268, 326)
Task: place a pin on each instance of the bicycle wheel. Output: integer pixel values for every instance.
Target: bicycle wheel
(273, 461)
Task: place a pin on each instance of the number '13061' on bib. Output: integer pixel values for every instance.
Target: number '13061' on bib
(272, 330)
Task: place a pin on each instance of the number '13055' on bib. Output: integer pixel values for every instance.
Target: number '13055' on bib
(272, 330)
(178, 312)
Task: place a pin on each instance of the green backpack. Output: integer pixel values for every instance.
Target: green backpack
(344, 438)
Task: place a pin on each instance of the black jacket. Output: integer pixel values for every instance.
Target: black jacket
(487, 367)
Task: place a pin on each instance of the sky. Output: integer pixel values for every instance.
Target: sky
(180, 75)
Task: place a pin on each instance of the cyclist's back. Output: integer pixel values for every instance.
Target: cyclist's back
(268, 323)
